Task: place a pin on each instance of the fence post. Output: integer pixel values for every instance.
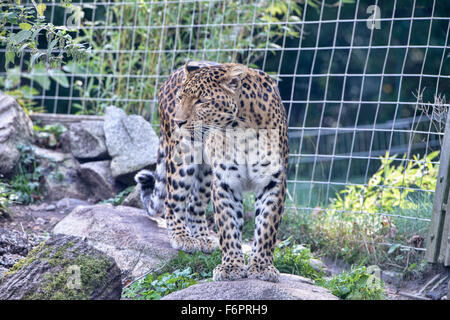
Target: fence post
(440, 220)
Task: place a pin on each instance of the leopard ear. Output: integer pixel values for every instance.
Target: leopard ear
(191, 66)
(232, 79)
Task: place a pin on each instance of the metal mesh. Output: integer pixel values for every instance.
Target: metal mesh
(353, 87)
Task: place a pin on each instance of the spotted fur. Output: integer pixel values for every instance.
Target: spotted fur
(221, 97)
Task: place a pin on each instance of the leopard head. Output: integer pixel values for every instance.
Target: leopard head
(209, 95)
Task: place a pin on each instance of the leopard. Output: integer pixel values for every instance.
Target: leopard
(236, 116)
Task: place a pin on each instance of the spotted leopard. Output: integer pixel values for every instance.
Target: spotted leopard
(235, 116)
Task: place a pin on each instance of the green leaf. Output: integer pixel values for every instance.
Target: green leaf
(394, 247)
(10, 55)
(25, 26)
(59, 77)
(51, 46)
(34, 58)
(21, 36)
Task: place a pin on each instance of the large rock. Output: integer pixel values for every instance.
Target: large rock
(15, 129)
(290, 287)
(131, 142)
(98, 176)
(136, 242)
(61, 175)
(87, 141)
(63, 268)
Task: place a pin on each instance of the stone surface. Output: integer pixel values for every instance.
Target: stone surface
(61, 178)
(68, 204)
(392, 277)
(14, 245)
(15, 129)
(290, 287)
(131, 142)
(134, 198)
(87, 141)
(63, 268)
(97, 175)
(135, 241)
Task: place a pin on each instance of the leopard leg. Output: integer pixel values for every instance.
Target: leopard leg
(179, 184)
(198, 202)
(228, 211)
(269, 206)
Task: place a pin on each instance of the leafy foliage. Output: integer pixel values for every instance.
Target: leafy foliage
(48, 135)
(389, 188)
(31, 23)
(119, 198)
(356, 284)
(199, 262)
(154, 288)
(24, 187)
(363, 219)
(295, 259)
(135, 53)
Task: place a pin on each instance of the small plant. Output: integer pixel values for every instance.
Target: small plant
(119, 198)
(48, 136)
(4, 199)
(295, 259)
(199, 262)
(155, 287)
(357, 284)
(24, 187)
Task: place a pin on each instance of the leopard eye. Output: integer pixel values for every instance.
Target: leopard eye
(200, 101)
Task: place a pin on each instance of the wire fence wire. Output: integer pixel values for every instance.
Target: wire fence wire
(357, 78)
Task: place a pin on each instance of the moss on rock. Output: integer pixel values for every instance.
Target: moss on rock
(64, 268)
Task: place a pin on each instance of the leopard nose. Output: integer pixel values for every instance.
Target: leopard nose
(180, 123)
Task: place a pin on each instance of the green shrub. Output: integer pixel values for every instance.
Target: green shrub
(390, 187)
(24, 187)
(295, 259)
(362, 220)
(356, 284)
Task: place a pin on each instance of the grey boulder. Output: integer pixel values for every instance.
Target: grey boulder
(61, 176)
(97, 175)
(131, 142)
(290, 287)
(87, 141)
(134, 198)
(137, 243)
(15, 128)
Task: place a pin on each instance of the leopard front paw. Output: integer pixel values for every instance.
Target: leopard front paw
(208, 244)
(263, 272)
(229, 272)
(185, 243)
